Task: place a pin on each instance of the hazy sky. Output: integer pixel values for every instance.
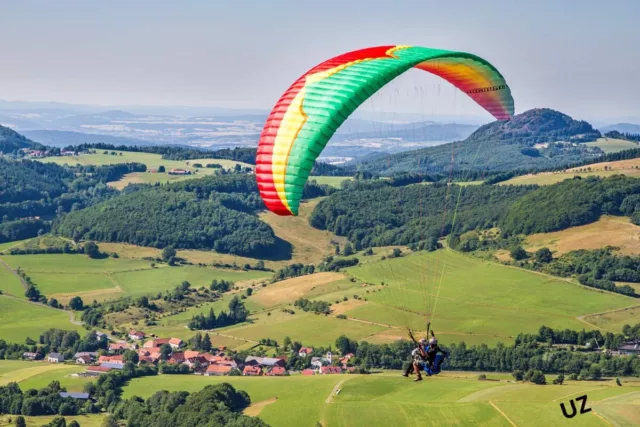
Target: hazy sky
(581, 56)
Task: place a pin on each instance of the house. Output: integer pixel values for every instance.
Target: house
(630, 348)
(325, 370)
(29, 356)
(308, 372)
(83, 360)
(305, 351)
(175, 343)
(264, 361)
(67, 153)
(55, 358)
(80, 396)
(345, 359)
(195, 362)
(97, 370)
(252, 371)
(218, 370)
(190, 353)
(36, 153)
(119, 359)
(177, 171)
(147, 359)
(277, 371)
(91, 354)
(177, 358)
(136, 335)
(318, 362)
(156, 343)
(329, 357)
(119, 346)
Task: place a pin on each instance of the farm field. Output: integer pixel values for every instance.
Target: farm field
(612, 145)
(9, 283)
(608, 231)
(84, 420)
(309, 244)
(478, 297)
(625, 167)
(67, 275)
(388, 399)
(20, 319)
(333, 181)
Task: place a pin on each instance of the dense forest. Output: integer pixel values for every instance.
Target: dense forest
(383, 216)
(534, 140)
(11, 141)
(208, 213)
(573, 202)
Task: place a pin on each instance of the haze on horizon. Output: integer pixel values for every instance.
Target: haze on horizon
(579, 57)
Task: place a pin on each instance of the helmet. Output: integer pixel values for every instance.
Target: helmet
(433, 341)
(423, 341)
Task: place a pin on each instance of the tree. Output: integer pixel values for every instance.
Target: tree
(130, 356)
(57, 422)
(286, 342)
(537, 377)
(396, 253)
(559, 379)
(206, 343)
(237, 310)
(168, 253)
(518, 253)
(76, 303)
(32, 293)
(348, 250)
(20, 421)
(92, 249)
(165, 351)
(518, 375)
(249, 292)
(544, 255)
(111, 421)
(161, 169)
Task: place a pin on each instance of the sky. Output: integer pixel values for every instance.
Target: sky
(578, 56)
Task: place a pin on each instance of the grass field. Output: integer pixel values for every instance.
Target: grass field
(388, 399)
(625, 167)
(83, 420)
(608, 231)
(333, 181)
(40, 374)
(66, 275)
(20, 319)
(9, 283)
(612, 145)
(477, 297)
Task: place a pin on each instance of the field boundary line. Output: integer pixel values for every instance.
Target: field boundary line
(615, 397)
(15, 273)
(335, 390)
(602, 418)
(503, 414)
(578, 392)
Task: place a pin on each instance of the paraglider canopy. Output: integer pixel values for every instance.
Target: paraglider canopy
(313, 108)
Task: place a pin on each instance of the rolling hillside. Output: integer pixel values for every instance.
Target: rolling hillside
(11, 141)
(535, 139)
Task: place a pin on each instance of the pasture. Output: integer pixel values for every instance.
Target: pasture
(84, 420)
(66, 275)
(20, 319)
(612, 145)
(309, 244)
(621, 167)
(607, 231)
(452, 398)
(334, 181)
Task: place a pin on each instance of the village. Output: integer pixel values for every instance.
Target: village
(173, 357)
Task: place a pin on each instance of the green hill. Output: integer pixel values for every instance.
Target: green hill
(535, 139)
(11, 140)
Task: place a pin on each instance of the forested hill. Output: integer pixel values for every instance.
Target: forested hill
(11, 141)
(536, 139)
(215, 212)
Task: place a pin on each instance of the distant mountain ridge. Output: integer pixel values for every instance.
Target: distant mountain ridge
(60, 138)
(622, 128)
(536, 139)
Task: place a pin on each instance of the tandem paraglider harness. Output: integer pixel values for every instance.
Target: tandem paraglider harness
(433, 369)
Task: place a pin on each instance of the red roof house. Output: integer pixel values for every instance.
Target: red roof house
(218, 370)
(308, 372)
(252, 371)
(331, 370)
(278, 371)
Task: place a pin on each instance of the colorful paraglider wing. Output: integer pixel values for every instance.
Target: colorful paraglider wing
(313, 108)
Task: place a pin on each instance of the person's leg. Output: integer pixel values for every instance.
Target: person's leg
(409, 370)
(416, 369)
